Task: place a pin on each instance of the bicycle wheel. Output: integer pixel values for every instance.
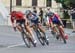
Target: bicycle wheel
(41, 40)
(26, 40)
(31, 40)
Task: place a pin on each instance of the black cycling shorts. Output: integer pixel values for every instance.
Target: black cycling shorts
(35, 21)
(22, 21)
(58, 23)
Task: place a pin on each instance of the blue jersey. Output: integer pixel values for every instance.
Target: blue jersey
(33, 17)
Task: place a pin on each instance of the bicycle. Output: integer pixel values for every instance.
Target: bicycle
(59, 33)
(41, 36)
(26, 37)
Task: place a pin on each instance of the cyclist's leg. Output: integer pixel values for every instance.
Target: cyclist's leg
(18, 23)
(47, 23)
(60, 27)
(52, 27)
(41, 28)
(28, 29)
(43, 31)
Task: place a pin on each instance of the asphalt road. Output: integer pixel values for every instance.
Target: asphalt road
(11, 42)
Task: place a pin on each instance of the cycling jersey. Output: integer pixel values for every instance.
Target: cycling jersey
(17, 16)
(49, 14)
(55, 19)
(34, 18)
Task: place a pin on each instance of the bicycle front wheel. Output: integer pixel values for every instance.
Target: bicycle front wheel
(26, 40)
(40, 38)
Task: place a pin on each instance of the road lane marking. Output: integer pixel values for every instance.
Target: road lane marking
(15, 45)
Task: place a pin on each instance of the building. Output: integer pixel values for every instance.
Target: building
(22, 5)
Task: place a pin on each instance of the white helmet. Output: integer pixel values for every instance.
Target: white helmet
(48, 8)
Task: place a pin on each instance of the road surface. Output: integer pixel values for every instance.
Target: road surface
(11, 42)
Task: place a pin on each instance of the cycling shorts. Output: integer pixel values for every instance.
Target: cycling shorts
(35, 21)
(58, 23)
(20, 22)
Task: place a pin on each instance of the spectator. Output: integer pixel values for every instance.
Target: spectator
(34, 10)
(72, 14)
(65, 16)
(41, 15)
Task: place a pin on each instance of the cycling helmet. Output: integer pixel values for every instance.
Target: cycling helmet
(13, 13)
(28, 12)
(50, 14)
(48, 8)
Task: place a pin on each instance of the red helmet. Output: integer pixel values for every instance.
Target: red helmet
(13, 13)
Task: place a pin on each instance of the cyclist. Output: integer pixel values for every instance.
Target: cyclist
(18, 18)
(48, 14)
(35, 20)
(55, 20)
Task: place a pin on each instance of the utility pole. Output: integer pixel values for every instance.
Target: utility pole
(10, 5)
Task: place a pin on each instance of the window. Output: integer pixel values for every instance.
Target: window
(48, 4)
(18, 2)
(34, 2)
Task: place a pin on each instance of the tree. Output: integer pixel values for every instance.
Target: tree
(67, 3)
(72, 3)
(59, 1)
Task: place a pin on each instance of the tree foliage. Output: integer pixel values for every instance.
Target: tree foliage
(67, 3)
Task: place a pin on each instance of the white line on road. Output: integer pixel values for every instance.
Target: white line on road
(10, 47)
(15, 45)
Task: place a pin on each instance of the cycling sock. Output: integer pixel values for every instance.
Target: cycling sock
(46, 36)
(34, 38)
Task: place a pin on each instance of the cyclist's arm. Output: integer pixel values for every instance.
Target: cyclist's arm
(51, 23)
(26, 20)
(13, 21)
(59, 19)
(12, 18)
